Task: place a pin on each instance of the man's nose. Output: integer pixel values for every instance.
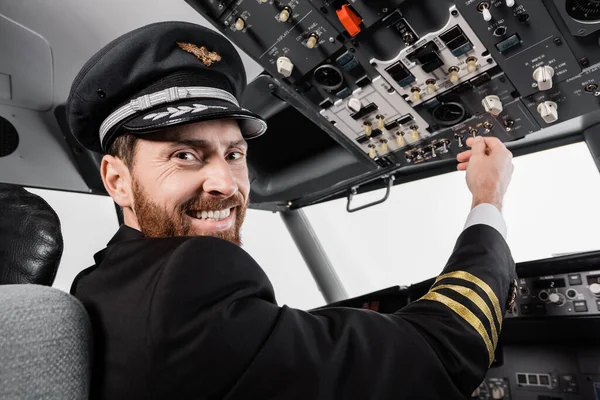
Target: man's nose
(219, 180)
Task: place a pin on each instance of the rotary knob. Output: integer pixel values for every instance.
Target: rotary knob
(285, 66)
(548, 110)
(557, 299)
(543, 76)
(354, 105)
(492, 105)
(498, 393)
(595, 288)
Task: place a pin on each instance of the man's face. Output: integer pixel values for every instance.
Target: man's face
(191, 180)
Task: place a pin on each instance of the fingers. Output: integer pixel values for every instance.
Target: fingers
(494, 143)
(462, 166)
(478, 145)
(464, 156)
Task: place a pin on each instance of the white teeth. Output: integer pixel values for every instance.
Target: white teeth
(215, 215)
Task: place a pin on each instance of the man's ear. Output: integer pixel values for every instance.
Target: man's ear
(117, 180)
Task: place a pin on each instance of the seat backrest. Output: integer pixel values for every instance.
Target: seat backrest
(45, 334)
(45, 344)
(31, 242)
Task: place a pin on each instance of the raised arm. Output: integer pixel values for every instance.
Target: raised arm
(216, 329)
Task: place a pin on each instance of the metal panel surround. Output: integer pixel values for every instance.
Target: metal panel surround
(441, 75)
(27, 60)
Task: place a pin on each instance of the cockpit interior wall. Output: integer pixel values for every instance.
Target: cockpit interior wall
(399, 85)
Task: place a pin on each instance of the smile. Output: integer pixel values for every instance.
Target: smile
(211, 215)
(213, 220)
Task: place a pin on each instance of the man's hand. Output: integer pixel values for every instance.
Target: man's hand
(489, 169)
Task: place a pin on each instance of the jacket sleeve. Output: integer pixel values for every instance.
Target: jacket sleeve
(215, 331)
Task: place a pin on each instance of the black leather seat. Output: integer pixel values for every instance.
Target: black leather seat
(31, 243)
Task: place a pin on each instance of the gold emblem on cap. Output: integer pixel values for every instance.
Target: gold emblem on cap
(201, 53)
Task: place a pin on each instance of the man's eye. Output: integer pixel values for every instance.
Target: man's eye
(236, 155)
(185, 156)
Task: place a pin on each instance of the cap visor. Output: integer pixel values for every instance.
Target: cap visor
(195, 110)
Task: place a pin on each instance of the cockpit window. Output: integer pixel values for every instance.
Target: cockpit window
(551, 208)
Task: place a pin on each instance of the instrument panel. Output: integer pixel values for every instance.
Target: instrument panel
(564, 295)
(542, 373)
(404, 82)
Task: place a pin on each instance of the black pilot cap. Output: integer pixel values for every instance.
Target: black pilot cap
(157, 76)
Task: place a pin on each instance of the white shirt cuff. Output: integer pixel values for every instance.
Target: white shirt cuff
(487, 214)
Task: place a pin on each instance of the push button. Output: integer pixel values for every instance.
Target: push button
(539, 309)
(575, 279)
(526, 309)
(580, 306)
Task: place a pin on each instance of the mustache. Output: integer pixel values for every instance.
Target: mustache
(211, 203)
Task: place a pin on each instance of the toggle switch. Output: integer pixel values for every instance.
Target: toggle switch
(414, 131)
(548, 110)
(384, 146)
(484, 8)
(492, 105)
(284, 15)
(400, 139)
(459, 138)
(416, 94)
(240, 24)
(380, 122)
(471, 64)
(433, 153)
(312, 41)
(285, 66)
(368, 128)
(445, 144)
(430, 86)
(453, 71)
(543, 76)
(372, 151)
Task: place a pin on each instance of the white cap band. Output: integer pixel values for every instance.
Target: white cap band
(165, 96)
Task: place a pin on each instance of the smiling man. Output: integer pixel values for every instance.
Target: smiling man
(179, 163)
(180, 311)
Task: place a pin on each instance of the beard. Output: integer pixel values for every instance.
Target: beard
(156, 222)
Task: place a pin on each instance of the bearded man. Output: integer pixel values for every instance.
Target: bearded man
(180, 311)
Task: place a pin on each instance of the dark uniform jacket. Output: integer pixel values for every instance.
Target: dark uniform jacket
(196, 318)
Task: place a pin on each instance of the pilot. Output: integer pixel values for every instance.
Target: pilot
(180, 311)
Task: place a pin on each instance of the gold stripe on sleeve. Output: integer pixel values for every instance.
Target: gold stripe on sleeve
(481, 284)
(478, 301)
(465, 314)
